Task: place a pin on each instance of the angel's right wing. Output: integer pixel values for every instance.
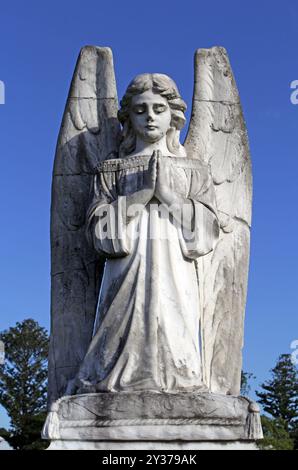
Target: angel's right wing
(88, 134)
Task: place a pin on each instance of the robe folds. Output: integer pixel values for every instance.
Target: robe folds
(147, 329)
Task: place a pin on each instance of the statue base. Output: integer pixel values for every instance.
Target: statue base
(151, 445)
(153, 420)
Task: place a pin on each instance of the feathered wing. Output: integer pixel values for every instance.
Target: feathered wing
(217, 135)
(88, 134)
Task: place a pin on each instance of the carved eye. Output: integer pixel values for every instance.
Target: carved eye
(139, 109)
(159, 108)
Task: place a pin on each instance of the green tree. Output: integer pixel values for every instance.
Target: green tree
(245, 386)
(23, 383)
(276, 437)
(279, 397)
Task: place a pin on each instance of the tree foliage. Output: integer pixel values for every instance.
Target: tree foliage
(276, 437)
(23, 383)
(245, 386)
(279, 397)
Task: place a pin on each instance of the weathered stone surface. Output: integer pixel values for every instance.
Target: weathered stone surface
(152, 445)
(164, 338)
(217, 135)
(4, 445)
(89, 131)
(153, 416)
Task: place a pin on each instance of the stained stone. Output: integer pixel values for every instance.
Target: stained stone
(152, 416)
(147, 319)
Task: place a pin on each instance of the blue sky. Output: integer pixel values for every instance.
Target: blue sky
(39, 44)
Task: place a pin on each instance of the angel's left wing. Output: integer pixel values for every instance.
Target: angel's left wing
(88, 134)
(217, 135)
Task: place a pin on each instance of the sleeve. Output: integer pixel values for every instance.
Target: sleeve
(106, 227)
(203, 235)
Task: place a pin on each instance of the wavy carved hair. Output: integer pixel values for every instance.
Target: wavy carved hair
(164, 86)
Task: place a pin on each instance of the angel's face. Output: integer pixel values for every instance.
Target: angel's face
(150, 116)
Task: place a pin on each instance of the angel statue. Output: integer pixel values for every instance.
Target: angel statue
(150, 251)
(146, 332)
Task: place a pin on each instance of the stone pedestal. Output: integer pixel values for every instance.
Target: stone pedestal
(151, 445)
(153, 420)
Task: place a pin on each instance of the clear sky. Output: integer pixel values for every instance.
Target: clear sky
(39, 44)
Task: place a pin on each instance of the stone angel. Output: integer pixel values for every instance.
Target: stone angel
(149, 237)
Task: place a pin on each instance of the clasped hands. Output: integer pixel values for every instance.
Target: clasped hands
(158, 182)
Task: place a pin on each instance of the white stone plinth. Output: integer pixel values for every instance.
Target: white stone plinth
(152, 445)
(151, 420)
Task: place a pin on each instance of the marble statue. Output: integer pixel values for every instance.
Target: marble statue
(150, 252)
(146, 333)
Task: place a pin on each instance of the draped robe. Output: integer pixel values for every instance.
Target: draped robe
(147, 328)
